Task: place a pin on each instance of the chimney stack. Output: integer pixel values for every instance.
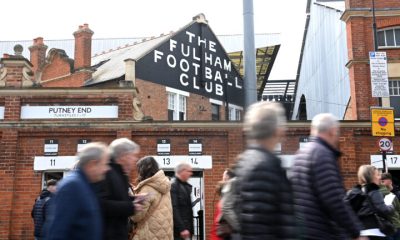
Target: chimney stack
(38, 54)
(83, 47)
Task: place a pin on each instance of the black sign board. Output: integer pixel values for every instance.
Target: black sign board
(50, 147)
(82, 143)
(195, 147)
(163, 147)
(193, 60)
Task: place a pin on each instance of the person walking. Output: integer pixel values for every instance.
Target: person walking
(216, 227)
(373, 203)
(42, 208)
(386, 188)
(77, 212)
(155, 220)
(318, 186)
(116, 204)
(265, 202)
(181, 192)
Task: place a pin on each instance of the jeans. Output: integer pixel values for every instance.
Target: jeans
(396, 236)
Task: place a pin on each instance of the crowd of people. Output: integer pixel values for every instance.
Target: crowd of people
(258, 198)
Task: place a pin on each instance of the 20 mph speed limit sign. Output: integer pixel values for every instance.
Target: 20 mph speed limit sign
(385, 144)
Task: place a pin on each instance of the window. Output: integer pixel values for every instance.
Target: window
(394, 88)
(215, 112)
(235, 113)
(389, 37)
(176, 107)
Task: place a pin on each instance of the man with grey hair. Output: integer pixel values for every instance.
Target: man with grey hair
(181, 201)
(77, 212)
(263, 200)
(318, 186)
(116, 203)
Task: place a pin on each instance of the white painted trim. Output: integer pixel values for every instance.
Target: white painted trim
(218, 102)
(180, 92)
(235, 106)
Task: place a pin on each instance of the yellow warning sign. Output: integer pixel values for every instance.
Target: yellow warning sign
(382, 120)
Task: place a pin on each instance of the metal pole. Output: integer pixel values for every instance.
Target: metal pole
(250, 77)
(385, 169)
(375, 38)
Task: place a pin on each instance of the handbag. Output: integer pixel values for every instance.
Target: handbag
(223, 229)
(384, 224)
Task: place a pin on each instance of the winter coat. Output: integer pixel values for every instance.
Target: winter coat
(366, 212)
(181, 206)
(116, 203)
(217, 214)
(395, 219)
(159, 224)
(318, 193)
(265, 201)
(77, 212)
(40, 211)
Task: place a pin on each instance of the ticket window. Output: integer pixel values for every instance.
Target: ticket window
(47, 175)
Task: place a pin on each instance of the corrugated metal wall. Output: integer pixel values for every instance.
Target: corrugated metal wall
(324, 78)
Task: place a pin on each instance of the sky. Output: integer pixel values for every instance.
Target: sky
(54, 19)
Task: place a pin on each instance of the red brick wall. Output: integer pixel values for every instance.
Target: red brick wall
(360, 43)
(20, 184)
(58, 67)
(154, 101)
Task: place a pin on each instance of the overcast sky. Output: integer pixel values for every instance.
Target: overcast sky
(53, 19)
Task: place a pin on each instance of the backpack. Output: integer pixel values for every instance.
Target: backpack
(355, 199)
(228, 222)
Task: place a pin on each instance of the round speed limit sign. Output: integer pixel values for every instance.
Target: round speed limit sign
(385, 144)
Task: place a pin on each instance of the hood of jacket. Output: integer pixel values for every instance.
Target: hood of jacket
(45, 193)
(158, 181)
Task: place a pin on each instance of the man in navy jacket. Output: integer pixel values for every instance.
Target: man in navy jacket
(318, 186)
(77, 213)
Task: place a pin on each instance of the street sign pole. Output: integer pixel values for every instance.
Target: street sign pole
(385, 170)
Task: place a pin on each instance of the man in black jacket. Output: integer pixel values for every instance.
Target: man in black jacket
(181, 202)
(264, 200)
(116, 203)
(318, 186)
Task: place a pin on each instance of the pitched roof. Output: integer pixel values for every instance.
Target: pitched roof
(111, 65)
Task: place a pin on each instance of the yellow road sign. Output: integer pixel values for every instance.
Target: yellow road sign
(382, 120)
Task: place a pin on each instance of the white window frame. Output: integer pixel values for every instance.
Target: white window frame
(391, 89)
(233, 112)
(180, 102)
(394, 37)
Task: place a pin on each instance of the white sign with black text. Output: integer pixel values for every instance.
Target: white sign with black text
(197, 162)
(42, 163)
(50, 147)
(68, 112)
(81, 144)
(195, 147)
(392, 161)
(379, 74)
(163, 147)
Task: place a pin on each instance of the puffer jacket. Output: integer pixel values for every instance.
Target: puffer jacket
(39, 212)
(366, 212)
(395, 219)
(318, 194)
(264, 197)
(159, 224)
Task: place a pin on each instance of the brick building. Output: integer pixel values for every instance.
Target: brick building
(51, 105)
(336, 62)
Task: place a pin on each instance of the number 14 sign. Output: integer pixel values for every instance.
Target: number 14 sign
(197, 162)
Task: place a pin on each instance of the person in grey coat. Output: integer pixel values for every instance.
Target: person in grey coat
(318, 187)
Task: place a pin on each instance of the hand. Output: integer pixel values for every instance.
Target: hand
(361, 238)
(140, 198)
(185, 234)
